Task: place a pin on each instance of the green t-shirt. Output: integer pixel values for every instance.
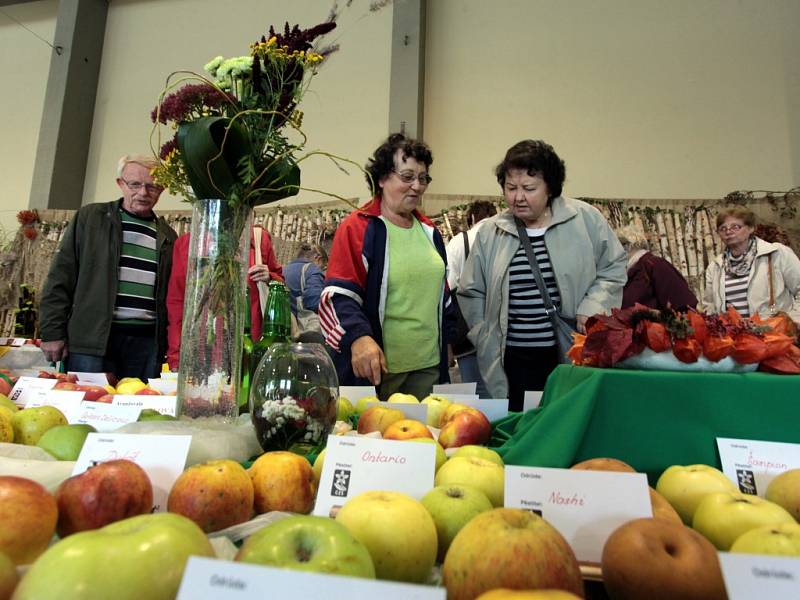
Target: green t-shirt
(411, 319)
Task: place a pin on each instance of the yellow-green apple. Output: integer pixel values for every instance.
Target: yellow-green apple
(406, 429)
(344, 408)
(398, 398)
(8, 577)
(378, 418)
(779, 540)
(436, 406)
(509, 548)
(307, 543)
(319, 463)
(660, 560)
(151, 414)
(398, 532)
(28, 514)
(685, 486)
(140, 557)
(466, 427)
(31, 423)
(441, 457)
(604, 464)
(724, 516)
(8, 403)
(363, 403)
(485, 475)
(65, 441)
(283, 481)
(506, 594)
(148, 391)
(108, 492)
(214, 494)
(91, 392)
(6, 425)
(784, 490)
(480, 452)
(452, 507)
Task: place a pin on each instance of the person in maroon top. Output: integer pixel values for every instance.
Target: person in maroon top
(652, 281)
(270, 269)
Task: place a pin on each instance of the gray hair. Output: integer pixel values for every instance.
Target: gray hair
(148, 162)
(632, 238)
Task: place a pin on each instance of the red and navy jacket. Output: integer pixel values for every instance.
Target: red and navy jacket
(353, 300)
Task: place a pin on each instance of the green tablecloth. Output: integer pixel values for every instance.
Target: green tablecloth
(649, 419)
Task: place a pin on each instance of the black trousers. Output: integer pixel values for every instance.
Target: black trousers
(527, 369)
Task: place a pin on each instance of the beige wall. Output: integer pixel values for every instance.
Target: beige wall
(24, 64)
(346, 109)
(641, 98)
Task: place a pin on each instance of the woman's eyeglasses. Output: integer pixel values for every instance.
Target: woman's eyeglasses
(409, 177)
(729, 228)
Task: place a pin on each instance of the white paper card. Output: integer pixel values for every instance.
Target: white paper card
(759, 576)
(494, 409)
(163, 457)
(417, 412)
(214, 579)
(359, 464)
(531, 399)
(163, 404)
(67, 401)
(169, 375)
(168, 387)
(752, 464)
(355, 392)
(455, 388)
(92, 378)
(106, 417)
(585, 506)
(30, 387)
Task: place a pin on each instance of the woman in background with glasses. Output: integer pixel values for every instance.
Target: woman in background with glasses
(383, 306)
(752, 275)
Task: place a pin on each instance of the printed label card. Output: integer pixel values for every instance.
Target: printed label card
(90, 378)
(67, 401)
(106, 417)
(752, 464)
(30, 387)
(166, 405)
(759, 576)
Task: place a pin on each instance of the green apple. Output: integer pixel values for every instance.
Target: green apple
(31, 423)
(65, 441)
(684, 487)
(8, 403)
(436, 407)
(398, 398)
(441, 456)
(307, 543)
(151, 414)
(452, 507)
(363, 403)
(8, 576)
(344, 409)
(481, 452)
(724, 516)
(483, 474)
(139, 557)
(319, 463)
(784, 490)
(779, 540)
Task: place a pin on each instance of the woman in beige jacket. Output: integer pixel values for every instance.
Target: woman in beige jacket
(752, 275)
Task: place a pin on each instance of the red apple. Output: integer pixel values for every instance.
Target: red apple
(378, 418)
(67, 385)
(108, 398)
(28, 515)
(91, 393)
(148, 392)
(407, 429)
(466, 427)
(109, 492)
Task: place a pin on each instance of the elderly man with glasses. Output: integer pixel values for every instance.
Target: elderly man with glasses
(103, 304)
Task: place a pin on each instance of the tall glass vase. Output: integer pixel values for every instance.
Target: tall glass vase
(214, 310)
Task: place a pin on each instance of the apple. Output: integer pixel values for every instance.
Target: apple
(107, 399)
(778, 540)
(436, 406)
(452, 507)
(283, 481)
(214, 494)
(378, 418)
(398, 398)
(406, 429)
(506, 594)
(441, 457)
(65, 441)
(604, 464)
(151, 414)
(31, 423)
(663, 509)
(685, 486)
(8, 577)
(148, 391)
(452, 409)
(130, 386)
(509, 548)
(363, 403)
(67, 385)
(724, 516)
(307, 543)
(5, 386)
(91, 392)
(660, 560)
(398, 532)
(28, 514)
(319, 463)
(6, 425)
(481, 452)
(140, 557)
(466, 427)
(485, 475)
(8, 403)
(344, 409)
(108, 492)
(784, 490)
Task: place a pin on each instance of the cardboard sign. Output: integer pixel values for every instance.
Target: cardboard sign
(30, 387)
(760, 576)
(67, 401)
(163, 457)
(106, 417)
(531, 399)
(214, 579)
(166, 405)
(752, 464)
(443, 389)
(359, 464)
(355, 392)
(91, 378)
(585, 506)
(417, 412)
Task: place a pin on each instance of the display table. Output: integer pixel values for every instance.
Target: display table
(649, 419)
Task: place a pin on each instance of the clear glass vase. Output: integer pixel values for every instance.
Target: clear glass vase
(293, 397)
(214, 310)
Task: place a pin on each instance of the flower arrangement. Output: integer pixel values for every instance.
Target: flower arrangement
(29, 219)
(690, 337)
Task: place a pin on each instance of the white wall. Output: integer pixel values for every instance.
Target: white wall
(24, 64)
(346, 109)
(641, 98)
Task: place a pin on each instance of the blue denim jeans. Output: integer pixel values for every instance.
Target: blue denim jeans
(468, 367)
(126, 356)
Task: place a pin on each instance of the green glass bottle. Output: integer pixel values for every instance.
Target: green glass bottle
(247, 351)
(277, 323)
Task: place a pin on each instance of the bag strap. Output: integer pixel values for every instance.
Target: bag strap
(466, 246)
(537, 274)
(303, 278)
(771, 289)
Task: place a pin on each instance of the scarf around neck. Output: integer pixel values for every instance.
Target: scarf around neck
(739, 266)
